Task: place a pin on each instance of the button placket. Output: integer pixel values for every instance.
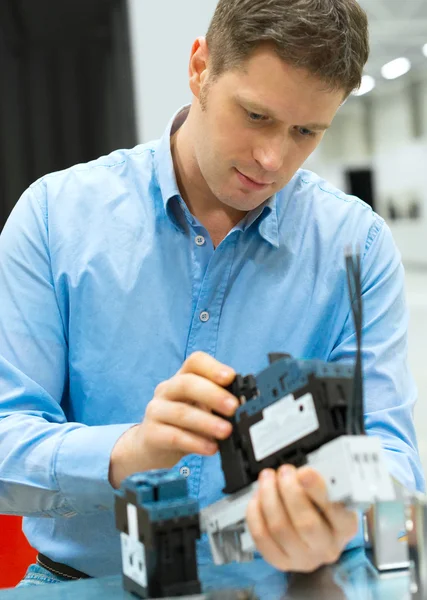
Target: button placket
(204, 328)
(194, 480)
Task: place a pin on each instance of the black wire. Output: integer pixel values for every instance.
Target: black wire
(355, 411)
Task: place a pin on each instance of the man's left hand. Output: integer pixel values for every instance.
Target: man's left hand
(292, 522)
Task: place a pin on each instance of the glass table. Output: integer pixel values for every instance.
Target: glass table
(352, 578)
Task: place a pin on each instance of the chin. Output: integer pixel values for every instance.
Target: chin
(240, 200)
(243, 205)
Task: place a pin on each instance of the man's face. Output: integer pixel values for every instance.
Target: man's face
(256, 126)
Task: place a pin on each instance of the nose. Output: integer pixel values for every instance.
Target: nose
(270, 153)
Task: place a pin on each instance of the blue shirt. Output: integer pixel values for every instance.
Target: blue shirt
(104, 276)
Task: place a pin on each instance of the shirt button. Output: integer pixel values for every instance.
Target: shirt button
(185, 471)
(204, 316)
(200, 240)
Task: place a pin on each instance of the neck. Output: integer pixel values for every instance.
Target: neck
(214, 215)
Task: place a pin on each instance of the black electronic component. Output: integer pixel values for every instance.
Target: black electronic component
(159, 527)
(293, 407)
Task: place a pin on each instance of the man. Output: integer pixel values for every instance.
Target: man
(134, 288)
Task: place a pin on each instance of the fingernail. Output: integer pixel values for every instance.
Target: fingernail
(306, 479)
(266, 475)
(287, 472)
(223, 427)
(231, 403)
(226, 374)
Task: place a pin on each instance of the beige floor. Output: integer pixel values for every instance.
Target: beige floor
(416, 285)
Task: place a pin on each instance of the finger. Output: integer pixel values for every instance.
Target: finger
(276, 518)
(308, 522)
(269, 548)
(205, 365)
(167, 437)
(197, 390)
(190, 418)
(343, 522)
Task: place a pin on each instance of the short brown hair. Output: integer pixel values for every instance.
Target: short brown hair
(328, 38)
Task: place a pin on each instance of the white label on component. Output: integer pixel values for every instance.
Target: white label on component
(133, 551)
(283, 423)
(133, 560)
(133, 522)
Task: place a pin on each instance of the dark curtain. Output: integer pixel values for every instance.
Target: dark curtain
(66, 91)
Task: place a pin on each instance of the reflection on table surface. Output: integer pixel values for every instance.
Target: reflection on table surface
(353, 578)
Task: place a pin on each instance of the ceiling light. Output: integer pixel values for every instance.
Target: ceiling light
(396, 68)
(425, 50)
(368, 84)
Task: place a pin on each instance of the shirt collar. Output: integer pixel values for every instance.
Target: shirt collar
(163, 162)
(265, 214)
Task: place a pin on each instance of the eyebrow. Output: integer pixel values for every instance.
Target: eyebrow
(267, 112)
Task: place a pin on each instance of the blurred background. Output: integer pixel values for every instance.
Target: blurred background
(80, 78)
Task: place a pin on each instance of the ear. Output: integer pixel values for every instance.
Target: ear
(198, 68)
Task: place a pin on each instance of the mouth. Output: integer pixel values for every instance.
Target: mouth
(252, 183)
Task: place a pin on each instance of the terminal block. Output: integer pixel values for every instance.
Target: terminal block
(225, 523)
(355, 474)
(355, 471)
(159, 526)
(287, 411)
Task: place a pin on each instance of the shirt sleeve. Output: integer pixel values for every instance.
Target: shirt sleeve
(389, 389)
(48, 466)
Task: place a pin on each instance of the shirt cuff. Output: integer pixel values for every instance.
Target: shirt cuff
(82, 467)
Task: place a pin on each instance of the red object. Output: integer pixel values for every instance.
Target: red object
(15, 552)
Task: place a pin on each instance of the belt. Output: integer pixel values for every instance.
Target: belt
(60, 569)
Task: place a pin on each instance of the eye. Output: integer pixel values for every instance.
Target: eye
(304, 132)
(255, 117)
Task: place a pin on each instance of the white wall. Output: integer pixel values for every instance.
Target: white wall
(162, 34)
(400, 163)
(398, 159)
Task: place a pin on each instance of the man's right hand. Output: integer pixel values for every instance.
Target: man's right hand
(179, 420)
